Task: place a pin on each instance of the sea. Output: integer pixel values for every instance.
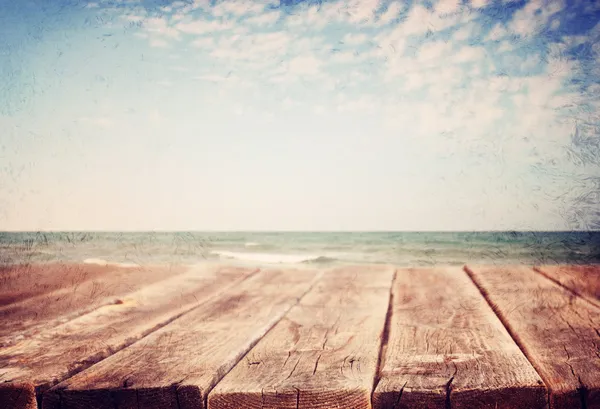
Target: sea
(403, 249)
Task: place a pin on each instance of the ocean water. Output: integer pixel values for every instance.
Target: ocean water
(302, 248)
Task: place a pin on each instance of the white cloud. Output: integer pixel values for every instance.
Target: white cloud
(256, 49)
(197, 4)
(532, 61)
(431, 53)
(92, 5)
(236, 8)
(363, 104)
(354, 39)
(203, 26)
(204, 42)
(463, 33)
(497, 32)
(347, 57)
(469, 114)
(468, 54)
(390, 13)
(311, 19)
(304, 65)
(134, 18)
(479, 3)
(361, 11)
(177, 17)
(391, 43)
(420, 19)
(414, 80)
(533, 17)
(505, 46)
(159, 26)
(447, 6)
(264, 19)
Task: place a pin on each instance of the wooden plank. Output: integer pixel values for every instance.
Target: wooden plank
(57, 353)
(559, 332)
(76, 290)
(17, 396)
(446, 348)
(22, 281)
(176, 366)
(322, 354)
(583, 280)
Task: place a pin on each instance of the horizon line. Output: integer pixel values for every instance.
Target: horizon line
(302, 231)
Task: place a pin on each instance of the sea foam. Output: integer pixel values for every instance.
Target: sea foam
(272, 258)
(101, 262)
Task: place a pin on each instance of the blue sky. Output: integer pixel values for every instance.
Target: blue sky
(330, 115)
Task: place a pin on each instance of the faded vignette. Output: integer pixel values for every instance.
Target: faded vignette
(134, 133)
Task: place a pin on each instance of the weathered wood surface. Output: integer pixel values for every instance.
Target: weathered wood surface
(446, 348)
(558, 331)
(322, 354)
(22, 281)
(17, 396)
(176, 366)
(57, 353)
(583, 280)
(84, 288)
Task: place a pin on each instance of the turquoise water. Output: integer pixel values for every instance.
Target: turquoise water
(399, 248)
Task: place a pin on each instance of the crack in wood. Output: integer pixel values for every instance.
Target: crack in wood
(293, 369)
(316, 364)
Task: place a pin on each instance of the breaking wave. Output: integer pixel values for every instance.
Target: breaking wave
(274, 258)
(102, 262)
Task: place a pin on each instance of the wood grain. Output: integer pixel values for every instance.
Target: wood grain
(322, 354)
(17, 396)
(66, 291)
(583, 280)
(446, 348)
(21, 281)
(558, 331)
(176, 366)
(57, 353)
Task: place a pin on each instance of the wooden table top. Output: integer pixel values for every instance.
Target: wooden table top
(373, 336)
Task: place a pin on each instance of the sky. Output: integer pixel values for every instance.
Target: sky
(299, 115)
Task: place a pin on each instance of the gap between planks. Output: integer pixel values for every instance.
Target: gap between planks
(385, 337)
(562, 377)
(385, 330)
(256, 341)
(41, 388)
(110, 377)
(454, 383)
(334, 335)
(572, 289)
(506, 325)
